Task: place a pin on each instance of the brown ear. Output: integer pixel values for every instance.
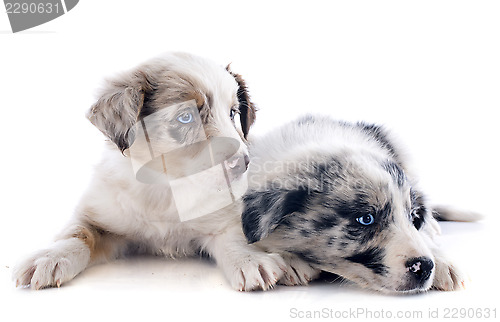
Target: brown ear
(247, 108)
(119, 106)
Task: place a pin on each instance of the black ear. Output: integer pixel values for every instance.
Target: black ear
(118, 108)
(265, 210)
(247, 108)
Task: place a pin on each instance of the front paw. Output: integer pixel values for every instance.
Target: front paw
(298, 272)
(53, 266)
(448, 277)
(255, 271)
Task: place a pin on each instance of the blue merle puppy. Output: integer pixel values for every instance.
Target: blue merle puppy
(338, 197)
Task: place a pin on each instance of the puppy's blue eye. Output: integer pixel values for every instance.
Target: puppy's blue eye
(185, 118)
(366, 220)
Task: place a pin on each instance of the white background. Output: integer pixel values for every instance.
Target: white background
(429, 70)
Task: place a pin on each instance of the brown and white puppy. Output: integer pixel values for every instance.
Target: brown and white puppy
(169, 178)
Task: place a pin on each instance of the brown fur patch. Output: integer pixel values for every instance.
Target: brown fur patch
(198, 97)
(119, 107)
(86, 236)
(102, 244)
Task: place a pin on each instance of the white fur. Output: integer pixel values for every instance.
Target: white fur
(118, 213)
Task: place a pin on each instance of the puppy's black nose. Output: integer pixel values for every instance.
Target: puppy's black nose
(420, 268)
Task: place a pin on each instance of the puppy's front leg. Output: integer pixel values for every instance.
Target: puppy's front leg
(298, 272)
(447, 276)
(247, 267)
(79, 246)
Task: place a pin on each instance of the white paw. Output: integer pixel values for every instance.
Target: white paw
(53, 266)
(298, 272)
(255, 271)
(447, 276)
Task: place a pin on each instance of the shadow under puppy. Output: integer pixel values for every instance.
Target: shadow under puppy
(338, 197)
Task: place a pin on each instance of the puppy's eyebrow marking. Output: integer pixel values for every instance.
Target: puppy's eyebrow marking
(396, 172)
(324, 221)
(356, 207)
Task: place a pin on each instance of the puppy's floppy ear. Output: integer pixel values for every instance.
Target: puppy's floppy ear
(265, 210)
(247, 108)
(118, 108)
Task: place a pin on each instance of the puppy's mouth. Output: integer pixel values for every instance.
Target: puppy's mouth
(418, 276)
(406, 288)
(412, 280)
(411, 290)
(412, 287)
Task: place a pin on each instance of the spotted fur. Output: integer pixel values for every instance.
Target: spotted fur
(338, 197)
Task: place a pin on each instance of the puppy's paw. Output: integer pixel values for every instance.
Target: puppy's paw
(448, 277)
(298, 272)
(53, 266)
(256, 271)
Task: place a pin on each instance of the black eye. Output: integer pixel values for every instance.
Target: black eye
(366, 220)
(417, 218)
(234, 110)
